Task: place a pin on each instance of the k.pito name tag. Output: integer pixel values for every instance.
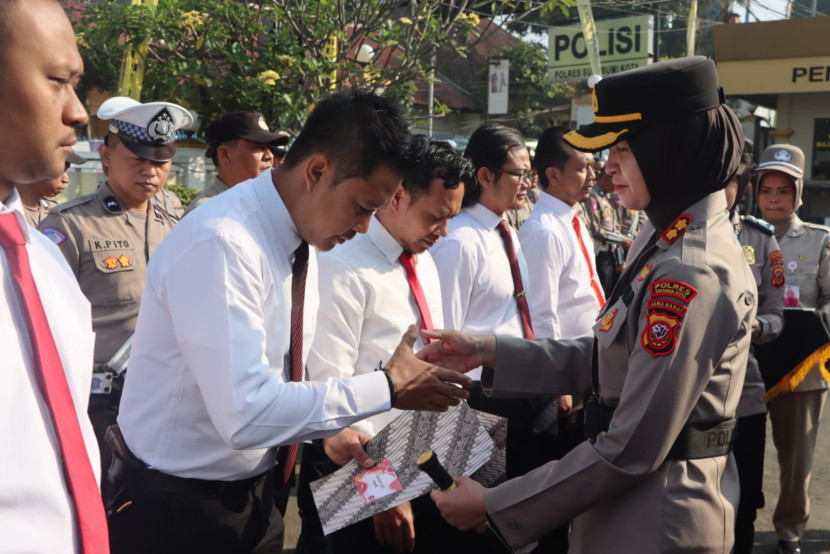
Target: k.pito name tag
(377, 482)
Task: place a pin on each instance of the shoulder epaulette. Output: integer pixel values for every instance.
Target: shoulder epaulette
(760, 224)
(817, 227)
(79, 201)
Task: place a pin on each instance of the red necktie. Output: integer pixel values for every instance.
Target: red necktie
(80, 478)
(408, 261)
(594, 283)
(287, 455)
(518, 287)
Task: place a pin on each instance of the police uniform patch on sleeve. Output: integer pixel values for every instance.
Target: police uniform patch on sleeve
(608, 321)
(675, 289)
(776, 258)
(55, 235)
(660, 335)
(777, 277)
(676, 229)
(645, 271)
(666, 306)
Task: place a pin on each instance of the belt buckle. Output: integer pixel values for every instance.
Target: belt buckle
(101, 382)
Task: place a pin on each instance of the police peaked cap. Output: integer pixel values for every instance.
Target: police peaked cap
(147, 130)
(248, 125)
(627, 102)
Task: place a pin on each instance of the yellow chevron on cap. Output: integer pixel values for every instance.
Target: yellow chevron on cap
(598, 142)
(618, 118)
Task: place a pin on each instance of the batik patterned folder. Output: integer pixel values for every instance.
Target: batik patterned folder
(462, 438)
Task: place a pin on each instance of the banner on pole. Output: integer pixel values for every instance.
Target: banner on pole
(498, 85)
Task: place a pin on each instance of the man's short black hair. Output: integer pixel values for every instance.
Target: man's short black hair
(429, 159)
(213, 150)
(551, 151)
(488, 147)
(358, 129)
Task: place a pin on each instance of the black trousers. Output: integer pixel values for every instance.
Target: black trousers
(190, 515)
(749, 457)
(606, 266)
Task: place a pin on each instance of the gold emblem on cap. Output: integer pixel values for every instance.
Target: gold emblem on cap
(594, 101)
(262, 124)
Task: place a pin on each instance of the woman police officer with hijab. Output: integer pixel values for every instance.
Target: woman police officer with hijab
(667, 360)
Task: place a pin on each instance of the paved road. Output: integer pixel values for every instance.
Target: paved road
(817, 537)
(816, 540)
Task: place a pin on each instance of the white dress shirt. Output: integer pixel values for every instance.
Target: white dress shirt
(476, 282)
(208, 392)
(368, 307)
(564, 304)
(36, 512)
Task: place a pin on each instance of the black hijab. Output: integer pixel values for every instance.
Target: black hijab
(684, 160)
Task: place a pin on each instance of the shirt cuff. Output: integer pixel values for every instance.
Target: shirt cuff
(371, 391)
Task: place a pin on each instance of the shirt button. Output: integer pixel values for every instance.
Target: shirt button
(748, 300)
(694, 226)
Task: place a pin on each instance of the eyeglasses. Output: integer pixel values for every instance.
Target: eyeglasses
(526, 176)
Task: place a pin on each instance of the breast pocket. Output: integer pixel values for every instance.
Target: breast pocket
(114, 261)
(117, 278)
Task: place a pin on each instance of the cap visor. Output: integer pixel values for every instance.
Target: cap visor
(154, 152)
(598, 136)
(266, 137)
(791, 170)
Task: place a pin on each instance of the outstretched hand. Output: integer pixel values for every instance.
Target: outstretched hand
(463, 506)
(347, 445)
(457, 350)
(422, 385)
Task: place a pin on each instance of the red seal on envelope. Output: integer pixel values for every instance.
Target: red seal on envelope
(377, 482)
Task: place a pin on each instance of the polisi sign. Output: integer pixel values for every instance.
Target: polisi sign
(624, 44)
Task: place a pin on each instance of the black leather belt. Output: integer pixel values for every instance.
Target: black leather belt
(158, 480)
(695, 441)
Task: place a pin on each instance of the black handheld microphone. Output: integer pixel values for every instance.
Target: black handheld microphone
(429, 464)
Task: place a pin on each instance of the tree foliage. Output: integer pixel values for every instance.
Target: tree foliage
(214, 56)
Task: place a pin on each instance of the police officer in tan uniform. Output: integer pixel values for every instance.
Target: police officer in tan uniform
(240, 145)
(767, 264)
(795, 410)
(38, 198)
(605, 230)
(108, 236)
(671, 344)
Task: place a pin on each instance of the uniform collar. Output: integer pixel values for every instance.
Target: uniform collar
(15, 206)
(555, 205)
(284, 231)
(219, 185)
(484, 216)
(384, 241)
